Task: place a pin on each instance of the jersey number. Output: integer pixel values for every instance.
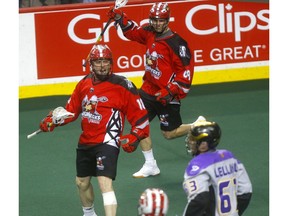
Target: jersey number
(225, 201)
(187, 75)
(190, 186)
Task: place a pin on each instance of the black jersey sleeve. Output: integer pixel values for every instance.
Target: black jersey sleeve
(243, 202)
(199, 205)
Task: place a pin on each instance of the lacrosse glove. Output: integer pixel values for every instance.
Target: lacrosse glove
(131, 141)
(46, 124)
(118, 16)
(166, 95)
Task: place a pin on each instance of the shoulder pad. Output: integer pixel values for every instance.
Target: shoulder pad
(202, 161)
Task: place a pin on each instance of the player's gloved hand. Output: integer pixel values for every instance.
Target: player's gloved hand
(167, 94)
(118, 16)
(129, 142)
(114, 13)
(46, 125)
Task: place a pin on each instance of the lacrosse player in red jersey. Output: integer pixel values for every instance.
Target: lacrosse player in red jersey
(153, 202)
(168, 75)
(103, 100)
(216, 183)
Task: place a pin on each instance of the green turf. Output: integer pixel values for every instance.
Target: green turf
(47, 161)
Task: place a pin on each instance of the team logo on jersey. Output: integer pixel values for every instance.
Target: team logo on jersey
(129, 83)
(89, 107)
(163, 120)
(99, 161)
(152, 63)
(195, 168)
(183, 51)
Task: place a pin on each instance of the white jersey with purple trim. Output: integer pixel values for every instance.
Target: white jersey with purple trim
(224, 172)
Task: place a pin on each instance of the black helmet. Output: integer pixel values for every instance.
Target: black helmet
(206, 131)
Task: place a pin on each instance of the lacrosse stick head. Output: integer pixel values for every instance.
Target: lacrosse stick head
(59, 114)
(120, 3)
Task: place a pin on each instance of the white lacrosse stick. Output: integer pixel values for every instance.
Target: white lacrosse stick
(58, 116)
(118, 4)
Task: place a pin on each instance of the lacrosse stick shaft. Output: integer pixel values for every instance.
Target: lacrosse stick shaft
(118, 4)
(34, 133)
(97, 41)
(58, 116)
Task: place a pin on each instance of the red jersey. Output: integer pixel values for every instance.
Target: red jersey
(103, 108)
(168, 59)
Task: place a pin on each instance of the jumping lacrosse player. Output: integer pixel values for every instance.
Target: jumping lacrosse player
(216, 183)
(103, 100)
(168, 75)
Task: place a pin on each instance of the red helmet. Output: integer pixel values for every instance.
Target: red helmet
(160, 10)
(100, 51)
(153, 202)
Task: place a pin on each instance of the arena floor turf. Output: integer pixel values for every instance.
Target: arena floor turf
(47, 161)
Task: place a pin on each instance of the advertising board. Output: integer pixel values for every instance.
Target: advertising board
(222, 36)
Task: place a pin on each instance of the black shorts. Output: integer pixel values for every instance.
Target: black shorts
(97, 160)
(169, 116)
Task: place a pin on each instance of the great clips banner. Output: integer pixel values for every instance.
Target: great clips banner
(218, 32)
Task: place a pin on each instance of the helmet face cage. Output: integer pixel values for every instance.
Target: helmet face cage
(101, 52)
(203, 131)
(153, 202)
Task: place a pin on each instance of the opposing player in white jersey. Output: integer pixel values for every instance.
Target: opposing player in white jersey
(216, 183)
